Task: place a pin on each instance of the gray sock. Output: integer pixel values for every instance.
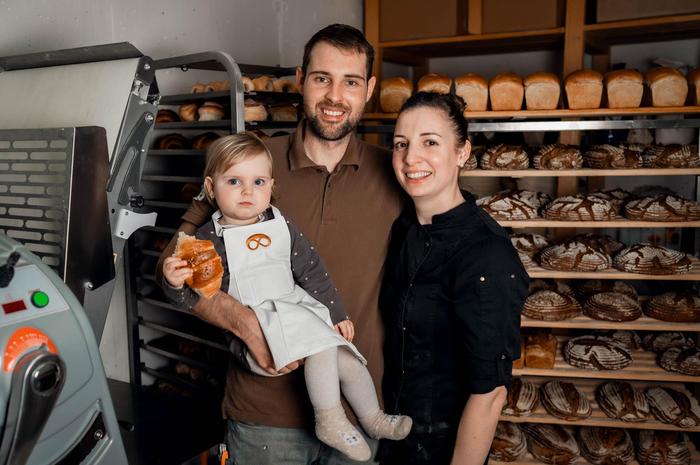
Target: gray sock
(334, 429)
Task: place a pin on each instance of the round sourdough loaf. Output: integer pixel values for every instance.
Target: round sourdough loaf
(597, 353)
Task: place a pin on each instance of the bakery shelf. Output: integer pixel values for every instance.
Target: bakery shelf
(602, 35)
(167, 178)
(617, 223)
(159, 229)
(528, 459)
(167, 347)
(182, 334)
(160, 303)
(538, 272)
(263, 97)
(177, 153)
(583, 172)
(166, 204)
(581, 125)
(644, 323)
(172, 378)
(223, 124)
(559, 113)
(643, 367)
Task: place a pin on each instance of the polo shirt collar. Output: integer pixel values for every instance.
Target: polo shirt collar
(298, 158)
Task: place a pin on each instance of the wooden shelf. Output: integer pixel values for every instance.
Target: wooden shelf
(617, 223)
(643, 367)
(559, 113)
(693, 275)
(587, 172)
(643, 323)
(598, 417)
(602, 35)
(528, 459)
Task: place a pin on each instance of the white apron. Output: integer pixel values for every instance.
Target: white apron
(295, 324)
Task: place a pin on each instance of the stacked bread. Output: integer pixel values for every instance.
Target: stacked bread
(651, 259)
(505, 157)
(612, 157)
(563, 400)
(580, 207)
(674, 306)
(597, 353)
(558, 157)
(620, 400)
(662, 207)
(523, 398)
(606, 445)
(509, 443)
(551, 306)
(574, 256)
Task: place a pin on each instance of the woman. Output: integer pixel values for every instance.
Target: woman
(451, 296)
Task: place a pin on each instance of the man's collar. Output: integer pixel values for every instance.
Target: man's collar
(298, 158)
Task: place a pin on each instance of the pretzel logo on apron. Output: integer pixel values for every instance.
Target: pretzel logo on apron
(258, 240)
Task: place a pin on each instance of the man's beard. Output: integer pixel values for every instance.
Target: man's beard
(335, 132)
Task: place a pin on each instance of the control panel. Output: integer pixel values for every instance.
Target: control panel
(31, 295)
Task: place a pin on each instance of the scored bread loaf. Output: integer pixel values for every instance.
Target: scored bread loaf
(437, 83)
(188, 112)
(652, 259)
(523, 398)
(574, 256)
(550, 306)
(580, 207)
(506, 92)
(393, 93)
(668, 86)
(624, 88)
(603, 446)
(584, 89)
(551, 444)
(505, 157)
(173, 141)
(684, 361)
(673, 407)
(662, 207)
(285, 86)
(662, 448)
(620, 400)
(474, 90)
(597, 353)
(508, 443)
(674, 306)
(563, 400)
(609, 156)
(661, 342)
(201, 256)
(612, 306)
(166, 116)
(558, 157)
(671, 156)
(203, 141)
(542, 91)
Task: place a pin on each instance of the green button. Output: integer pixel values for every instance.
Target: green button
(40, 299)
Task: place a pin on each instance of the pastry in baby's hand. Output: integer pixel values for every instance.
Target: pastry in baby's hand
(201, 256)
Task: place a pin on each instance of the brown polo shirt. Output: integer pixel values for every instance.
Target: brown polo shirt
(347, 215)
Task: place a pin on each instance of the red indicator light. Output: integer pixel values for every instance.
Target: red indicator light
(16, 306)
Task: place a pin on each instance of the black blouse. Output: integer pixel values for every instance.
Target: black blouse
(451, 300)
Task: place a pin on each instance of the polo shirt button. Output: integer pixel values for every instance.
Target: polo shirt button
(512, 276)
(482, 279)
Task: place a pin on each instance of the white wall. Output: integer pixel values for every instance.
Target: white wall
(266, 32)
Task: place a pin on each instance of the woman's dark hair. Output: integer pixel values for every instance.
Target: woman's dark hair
(452, 105)
(340, 36)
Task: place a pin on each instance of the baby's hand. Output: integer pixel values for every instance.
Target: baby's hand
(346, 329)
(176, 271)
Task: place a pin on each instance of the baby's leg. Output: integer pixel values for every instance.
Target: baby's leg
(332, 426)
(358, 389)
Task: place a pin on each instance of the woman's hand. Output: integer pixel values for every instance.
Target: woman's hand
(176, 271)
(346, 329)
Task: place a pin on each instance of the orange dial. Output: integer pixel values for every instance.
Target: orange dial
(21, 341)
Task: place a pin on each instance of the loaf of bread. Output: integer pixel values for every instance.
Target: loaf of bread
(671, 156)
(625, 88)
(218, 86)
(172, 142)
(563, 400)
(508, 443)
(606, 445)
(201, 256)
(513, 205)
(198, 88)
(247, 84)
(506, 92)
(540, 351)
(652, 259)
(662, 207)
(393, 93)
(616, 196)
(474, 90)
(668, 86)
(528, 245)
(629, 339)
(584, 89)
(505, 157)
(551, 444)
(662, 448)
(188, 112)
(166, 116)
(694, 84)
(211, 111)
(542, 91)
(673, 407)
(620, 400)
(601, 242)
(551, 306)
(595, 286)
(661, 342)
(574, 256)
(612, 306)
(263, 83)
(254, 111)
(556, 285)
(558, 157)
(674, 306)
(523, 398)
(580, 207)
(285, 86)
(597, 353)
(683, 361)
(437, 83)
(612, 157)
(283, 113)
(203, 141)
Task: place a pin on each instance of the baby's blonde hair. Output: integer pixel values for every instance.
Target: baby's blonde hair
(226, 151)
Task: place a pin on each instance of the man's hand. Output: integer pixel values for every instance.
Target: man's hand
(176, 271)
(346, 329)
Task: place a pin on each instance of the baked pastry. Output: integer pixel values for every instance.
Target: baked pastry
(247, 84)
(166, 116)
(211, 111)
(600, 242)
(662, 448)
(671, 156)
(254, 111)
(474, 90)
(694, 85)
(286, 86)
(506, 92)
(511, 205)
(684, 361)
(662, 207)
(563, 400)
(188, 112)
(433, 82)
(661, 342)
(528, 245)
(201, 256)
(604, 446)
(558, 157)
(283, 113)
(198, 88)
(551, 444)
(608, 156)
(551, 306)
(172, 142)
(203, 141)
(218, 86)
(505, 157)
(550, 285)
(542, 91)
(508, 443)
(674, 306)
(612, 306)
(574, 256)
(668, 86)
(584, 89)
(523, 398)
(594, 286)
(263, 84)
(393, 93)
(624, 88)
(673, 407)
(620, 400)
(540, 351)
(652, 259)
(580, 207)
(597, 353)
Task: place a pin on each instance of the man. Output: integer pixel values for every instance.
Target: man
(341, 193)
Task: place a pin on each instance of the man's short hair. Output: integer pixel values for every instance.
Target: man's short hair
(341, 36)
